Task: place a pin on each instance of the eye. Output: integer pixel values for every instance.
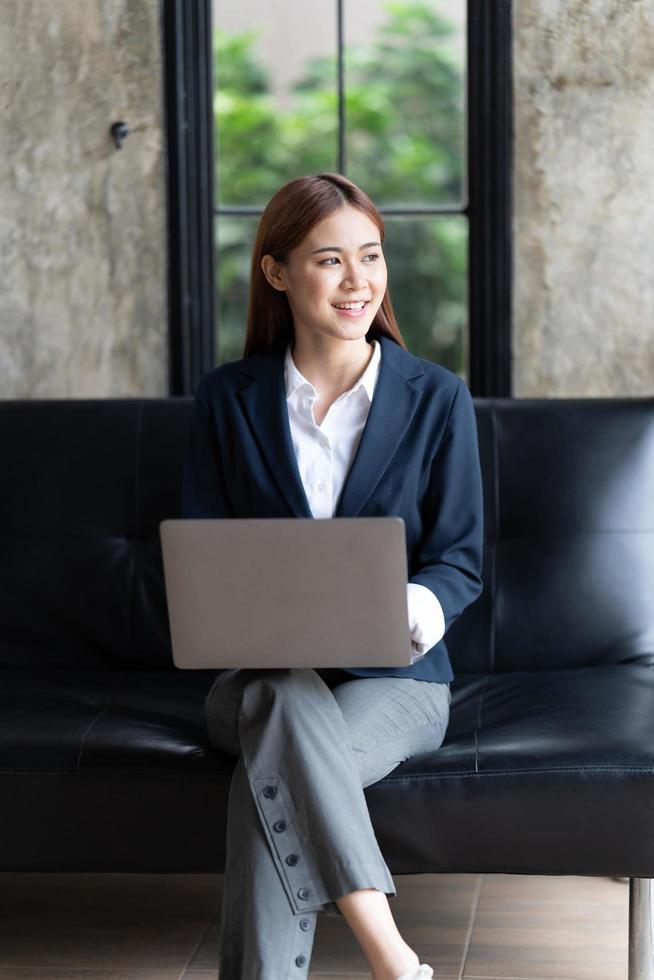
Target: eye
(373, 256)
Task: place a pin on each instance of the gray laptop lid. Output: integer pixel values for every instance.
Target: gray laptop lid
(287, 592)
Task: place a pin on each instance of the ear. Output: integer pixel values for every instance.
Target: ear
(273, 272)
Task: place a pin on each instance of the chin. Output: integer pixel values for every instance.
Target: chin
(358, 334)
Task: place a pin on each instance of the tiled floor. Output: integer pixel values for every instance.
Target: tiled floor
(165, 927)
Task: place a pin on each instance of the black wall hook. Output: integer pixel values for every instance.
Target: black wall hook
(119, 132)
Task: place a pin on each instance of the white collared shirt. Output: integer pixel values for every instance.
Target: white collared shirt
(324, 454)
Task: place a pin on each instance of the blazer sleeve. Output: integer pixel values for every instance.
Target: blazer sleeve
(450, 553)
(204, 488)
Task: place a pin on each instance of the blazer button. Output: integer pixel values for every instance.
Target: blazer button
(303, 893)
(292, 859)
(270, 792)
(279, 826)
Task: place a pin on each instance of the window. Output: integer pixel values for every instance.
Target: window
(411, 99)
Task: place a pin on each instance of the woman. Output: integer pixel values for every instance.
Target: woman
(328, 415)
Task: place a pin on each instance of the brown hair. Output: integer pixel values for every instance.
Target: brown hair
(289, 216)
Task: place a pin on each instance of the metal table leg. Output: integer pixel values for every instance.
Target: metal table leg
(641, 929)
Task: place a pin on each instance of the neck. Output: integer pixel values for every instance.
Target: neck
(331, 364)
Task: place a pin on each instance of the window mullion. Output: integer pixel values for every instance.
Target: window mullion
(341, 86)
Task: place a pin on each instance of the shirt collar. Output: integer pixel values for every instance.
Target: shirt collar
(294, 379)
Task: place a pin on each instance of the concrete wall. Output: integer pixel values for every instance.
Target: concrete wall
(584, 197)
(82, 225)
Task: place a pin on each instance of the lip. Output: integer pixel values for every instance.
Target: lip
(353, 313)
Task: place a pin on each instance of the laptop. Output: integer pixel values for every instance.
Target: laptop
(287, 592)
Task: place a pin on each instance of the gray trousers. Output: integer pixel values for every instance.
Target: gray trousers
(299, 833)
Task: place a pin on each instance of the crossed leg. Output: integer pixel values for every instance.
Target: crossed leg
(299, 835)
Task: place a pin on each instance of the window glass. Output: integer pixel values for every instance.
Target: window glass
(275, 95)
(276, 112)
(427, 278)
(234, 241)
(404, 101)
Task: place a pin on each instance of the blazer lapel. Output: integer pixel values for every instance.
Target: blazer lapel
(394, 404)
(264, 404)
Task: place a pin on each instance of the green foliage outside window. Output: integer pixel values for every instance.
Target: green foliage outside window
(404, 94)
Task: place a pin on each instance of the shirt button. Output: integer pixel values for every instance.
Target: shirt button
(279, 826)
(292, 859)
(303, 893)
(304, 925)
(300, 960)
(322, 486)
(270, 792)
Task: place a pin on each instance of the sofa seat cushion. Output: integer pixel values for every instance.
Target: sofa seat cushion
(61, 720)
(552, 719)
(585, 720)
(540, 772)
(548, 772)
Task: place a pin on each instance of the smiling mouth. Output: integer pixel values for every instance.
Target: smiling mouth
(353, 307)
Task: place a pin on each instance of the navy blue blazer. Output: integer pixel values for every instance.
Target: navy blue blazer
(418, 459)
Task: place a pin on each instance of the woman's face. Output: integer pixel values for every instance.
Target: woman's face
(339, 262)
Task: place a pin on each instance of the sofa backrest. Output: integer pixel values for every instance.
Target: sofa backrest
(569, 533)
(84, 487)
(569, 536)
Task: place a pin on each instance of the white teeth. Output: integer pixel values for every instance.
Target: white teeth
(351, 306)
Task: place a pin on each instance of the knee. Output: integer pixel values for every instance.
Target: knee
(281, 683)
(283, 689)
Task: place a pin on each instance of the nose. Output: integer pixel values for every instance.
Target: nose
(353, 276)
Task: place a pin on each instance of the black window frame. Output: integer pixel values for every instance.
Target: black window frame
(187, 53)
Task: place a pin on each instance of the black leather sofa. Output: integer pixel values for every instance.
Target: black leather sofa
(548, 764)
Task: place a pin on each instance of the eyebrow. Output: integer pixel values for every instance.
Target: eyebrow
(337, 248)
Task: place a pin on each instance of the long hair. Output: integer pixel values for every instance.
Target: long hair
(289, 216)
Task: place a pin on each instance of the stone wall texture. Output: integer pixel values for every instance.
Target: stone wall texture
(583, 299)
(82, 224)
